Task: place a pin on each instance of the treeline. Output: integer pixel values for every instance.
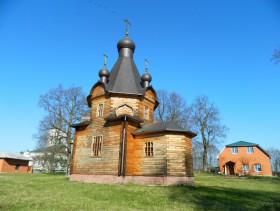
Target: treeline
(64, 107)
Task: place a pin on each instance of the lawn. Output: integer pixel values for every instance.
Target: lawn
(211, 192)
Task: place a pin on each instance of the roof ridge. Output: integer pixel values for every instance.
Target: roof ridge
(242, 143)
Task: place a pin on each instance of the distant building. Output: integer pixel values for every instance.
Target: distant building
(244, 158)
(12, 162)
(121, 142)
(49, 159)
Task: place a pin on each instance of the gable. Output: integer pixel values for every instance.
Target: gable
(97, 91)
(151, 96)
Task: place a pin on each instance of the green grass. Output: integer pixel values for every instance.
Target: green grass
(211, 192)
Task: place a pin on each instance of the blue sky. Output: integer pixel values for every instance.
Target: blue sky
(218, 48)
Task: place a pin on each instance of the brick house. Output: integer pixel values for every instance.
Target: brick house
(15, 162)
(244, 158)
(122, 143)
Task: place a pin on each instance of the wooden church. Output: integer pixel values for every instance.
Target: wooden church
(122, 143)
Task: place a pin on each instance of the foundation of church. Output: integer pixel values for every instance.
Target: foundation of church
(141, 180)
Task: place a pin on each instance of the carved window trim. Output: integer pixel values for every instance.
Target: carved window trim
(123, 105)
(96, 146)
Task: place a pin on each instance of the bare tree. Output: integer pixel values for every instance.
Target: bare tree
(213, 151)
(197, 152)
(172, 106)
(274, 159)
(163, 99)
(63, 108)
(207, 123)
(276, 56)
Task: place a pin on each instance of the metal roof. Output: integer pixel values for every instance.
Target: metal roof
(113, 117)
(241, 144)
(13, 155)
(125, 78)
(162, 126)
(84, 123)
(247, 144)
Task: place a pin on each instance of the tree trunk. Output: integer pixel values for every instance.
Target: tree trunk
(204, 157)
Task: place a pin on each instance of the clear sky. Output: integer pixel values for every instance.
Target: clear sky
(218, 48)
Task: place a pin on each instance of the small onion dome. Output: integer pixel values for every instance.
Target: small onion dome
(104, 73)
(146, 77)
(126, 43)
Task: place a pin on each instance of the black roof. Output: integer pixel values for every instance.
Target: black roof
(162, 126)
(125, 78)
(84, 123)
(113, 117)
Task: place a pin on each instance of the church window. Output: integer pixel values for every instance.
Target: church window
(149, 149)
(100, 110)
(97, 145)
(146, 113)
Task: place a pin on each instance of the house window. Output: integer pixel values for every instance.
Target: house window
(245, 168)
(250, 150)
(146, 113)
(149, 149)
(257, 167)
(234, 150)
(97, 145)
(100, 110)
(17, 166)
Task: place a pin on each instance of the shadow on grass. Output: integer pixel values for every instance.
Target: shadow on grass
(216, 198)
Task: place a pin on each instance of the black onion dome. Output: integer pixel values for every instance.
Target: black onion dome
(126, 43)
(146, 77)
(104, 73)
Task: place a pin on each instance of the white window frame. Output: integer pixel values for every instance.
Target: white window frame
(100, 110)
(96, 146)
(234, 150)
(245, 167)
(250, 150)
(258, 166)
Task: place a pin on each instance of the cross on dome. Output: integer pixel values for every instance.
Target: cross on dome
(127, 25)
(147, 64)
(105, 59)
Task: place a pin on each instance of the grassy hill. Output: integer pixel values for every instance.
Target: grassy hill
(211, 192)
